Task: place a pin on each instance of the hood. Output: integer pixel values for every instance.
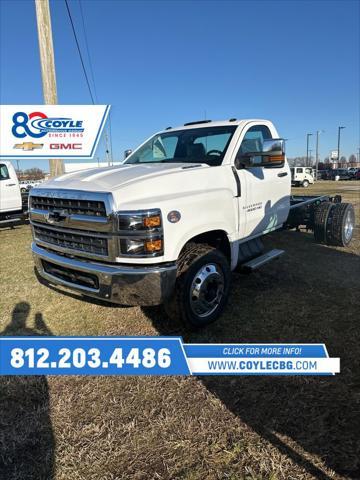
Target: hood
(111, 178)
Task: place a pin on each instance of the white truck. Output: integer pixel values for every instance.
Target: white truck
(170, 224)
(302, 176)
(12, 205)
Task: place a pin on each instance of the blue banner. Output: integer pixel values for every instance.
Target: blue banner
(158, 356)
(92, 356)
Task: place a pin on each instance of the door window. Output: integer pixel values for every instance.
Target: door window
(254, 139)
(4, 172)
(299, 170)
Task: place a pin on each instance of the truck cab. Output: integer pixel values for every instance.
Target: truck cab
(10, 195)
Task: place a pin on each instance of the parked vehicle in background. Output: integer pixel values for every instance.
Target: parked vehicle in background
(302, 176)
(357, 175)
(26, 185)
(353, 171)
(323, 174)
(11, 202)
(169, 225)
(340, 174)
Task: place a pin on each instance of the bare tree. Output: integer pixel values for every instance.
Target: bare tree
(352, 158)
(34, 173)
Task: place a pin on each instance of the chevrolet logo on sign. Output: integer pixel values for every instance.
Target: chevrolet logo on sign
(28, 145)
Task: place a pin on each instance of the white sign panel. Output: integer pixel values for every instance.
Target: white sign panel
(334, 155)
(51, 131)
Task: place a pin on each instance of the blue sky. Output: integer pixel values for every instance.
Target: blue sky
(161, 63)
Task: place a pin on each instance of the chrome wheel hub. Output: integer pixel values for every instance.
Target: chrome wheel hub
(349, 226)
(206, 290)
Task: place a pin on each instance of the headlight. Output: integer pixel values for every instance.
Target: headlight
(141, 233)
(140, 220)
(141, 247)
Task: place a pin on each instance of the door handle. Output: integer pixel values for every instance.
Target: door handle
(282, 174)
(10, 184)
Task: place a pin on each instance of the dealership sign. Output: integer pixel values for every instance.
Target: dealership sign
(334, 155)
(51, 131)
(158, 356)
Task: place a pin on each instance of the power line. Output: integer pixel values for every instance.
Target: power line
(93, 79)
(78, 47)
(87, 50)
(90, 65)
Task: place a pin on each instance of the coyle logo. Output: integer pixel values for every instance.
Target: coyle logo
(37, 124)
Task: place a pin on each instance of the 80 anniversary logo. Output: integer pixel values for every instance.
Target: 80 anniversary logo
(37, 125)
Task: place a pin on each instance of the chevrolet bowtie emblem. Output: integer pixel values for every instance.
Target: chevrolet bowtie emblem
(28, 145)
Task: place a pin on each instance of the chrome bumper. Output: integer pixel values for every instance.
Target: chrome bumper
(123, 284)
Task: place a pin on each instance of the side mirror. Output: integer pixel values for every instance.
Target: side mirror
(272, 155)
(127, 153)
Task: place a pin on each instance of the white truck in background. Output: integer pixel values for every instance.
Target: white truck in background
(169, 225)
(26, 185)
(12, 209)
(302, 176)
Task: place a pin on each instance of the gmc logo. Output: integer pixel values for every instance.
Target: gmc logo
(65, 146)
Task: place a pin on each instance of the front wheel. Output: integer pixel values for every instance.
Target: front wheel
(305, 183)
(202, 285)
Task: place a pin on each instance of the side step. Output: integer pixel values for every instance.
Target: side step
(257, 262)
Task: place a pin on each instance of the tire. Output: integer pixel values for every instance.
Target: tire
(202, 286)
(321, 216)
(342, 225)
(305, 183)
(23, 190)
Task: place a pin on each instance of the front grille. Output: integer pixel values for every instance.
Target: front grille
(72, 206)
(84, 243)
(76, 277)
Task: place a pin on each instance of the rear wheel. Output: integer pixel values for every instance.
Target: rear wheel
(342, 225)
(321, 216)
(202, 285)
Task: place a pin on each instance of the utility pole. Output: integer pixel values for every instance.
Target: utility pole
(338, 149)
(308, 135)
(310, 158)
(317, 152)
(47, 67)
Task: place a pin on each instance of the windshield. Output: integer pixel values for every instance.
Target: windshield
(195, 145)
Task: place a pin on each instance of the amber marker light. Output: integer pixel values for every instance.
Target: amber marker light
(152, 222)
(153, 245)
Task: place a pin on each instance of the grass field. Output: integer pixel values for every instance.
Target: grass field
(183, 427)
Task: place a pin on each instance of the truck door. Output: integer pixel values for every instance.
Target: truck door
(10, 196)
(267, 189)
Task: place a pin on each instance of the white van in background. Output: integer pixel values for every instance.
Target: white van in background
(302, 176)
